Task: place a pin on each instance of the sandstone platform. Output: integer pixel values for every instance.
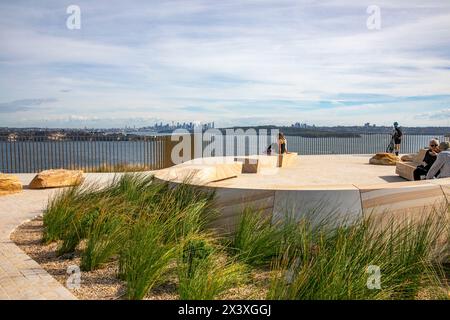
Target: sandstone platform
(336, 187)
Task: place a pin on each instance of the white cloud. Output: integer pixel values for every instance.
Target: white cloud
(148, 58)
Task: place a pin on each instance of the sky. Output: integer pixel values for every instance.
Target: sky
(234, 62)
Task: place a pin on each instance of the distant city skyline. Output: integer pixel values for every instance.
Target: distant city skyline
(237, 63)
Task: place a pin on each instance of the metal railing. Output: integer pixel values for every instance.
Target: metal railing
(364, 144)
(112, 153)
(88, 153)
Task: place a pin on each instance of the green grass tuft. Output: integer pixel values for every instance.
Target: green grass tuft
(145, 257)
(204, 271)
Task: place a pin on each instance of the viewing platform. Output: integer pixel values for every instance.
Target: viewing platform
(339, 186)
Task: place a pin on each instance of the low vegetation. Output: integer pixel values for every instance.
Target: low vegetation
(118, 167)
(342, 264)
(158, 233)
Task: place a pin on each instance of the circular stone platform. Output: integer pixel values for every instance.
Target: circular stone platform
(339, 186)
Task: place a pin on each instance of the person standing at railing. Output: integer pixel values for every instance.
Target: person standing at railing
(397, 135)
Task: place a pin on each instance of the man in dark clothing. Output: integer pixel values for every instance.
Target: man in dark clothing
(429, 159)
(397, 136)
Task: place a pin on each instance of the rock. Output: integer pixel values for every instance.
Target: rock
(56, 178)
(385, 159)
(200, 174)
(409, 157)
(9, 184)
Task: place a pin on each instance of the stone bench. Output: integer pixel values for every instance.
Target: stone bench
(206, 170)
(252, 164)
(287, 160)
(405, 169)
(249, 165)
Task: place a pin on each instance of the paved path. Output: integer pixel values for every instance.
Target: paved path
(20, 276)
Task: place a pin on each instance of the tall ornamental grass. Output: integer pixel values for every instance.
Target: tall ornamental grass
(339, 264)
(136, 219)
(256, 240)
(145, 257)
(157, 230)
(104, 239)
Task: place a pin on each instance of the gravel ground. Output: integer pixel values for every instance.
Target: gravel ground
(102, 284)
(98, 284)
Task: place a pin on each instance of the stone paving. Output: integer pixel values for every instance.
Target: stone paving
(20, 276)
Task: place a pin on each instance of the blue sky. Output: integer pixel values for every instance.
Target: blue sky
(237, 62)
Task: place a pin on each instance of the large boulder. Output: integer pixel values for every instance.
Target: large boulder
(200, 173)
(56, 178)
(385, 159)
(9, 184)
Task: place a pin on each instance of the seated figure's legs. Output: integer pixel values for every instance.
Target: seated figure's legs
(419, 172)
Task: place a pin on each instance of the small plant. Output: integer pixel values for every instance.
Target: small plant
(204, 271)
(194, 251)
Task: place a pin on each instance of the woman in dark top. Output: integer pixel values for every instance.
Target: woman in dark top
(282, 143)
(429, 159)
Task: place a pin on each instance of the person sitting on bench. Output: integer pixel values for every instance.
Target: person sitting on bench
(282, 144)
(429, 159)
(442, 163)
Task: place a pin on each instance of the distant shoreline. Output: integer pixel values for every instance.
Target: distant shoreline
(307, 132)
